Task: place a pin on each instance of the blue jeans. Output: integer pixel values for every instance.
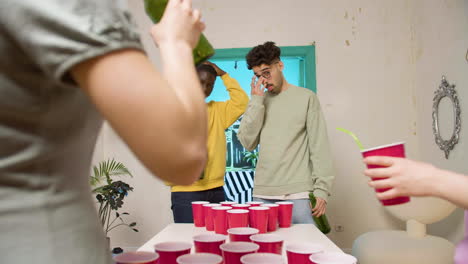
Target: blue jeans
(302, 214)
(182, 202)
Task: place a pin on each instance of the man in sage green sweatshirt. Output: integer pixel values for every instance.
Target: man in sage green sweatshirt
(288, 124)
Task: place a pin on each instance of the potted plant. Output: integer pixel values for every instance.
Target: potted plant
(110, 194)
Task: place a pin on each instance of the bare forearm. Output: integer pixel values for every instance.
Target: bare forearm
(452, 187)
(146, 111)
(181, 75)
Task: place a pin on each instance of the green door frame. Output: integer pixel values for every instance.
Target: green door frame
(306, 53)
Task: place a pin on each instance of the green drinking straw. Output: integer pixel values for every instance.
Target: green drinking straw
(353, 136)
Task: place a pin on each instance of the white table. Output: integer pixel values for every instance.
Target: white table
(296, 233)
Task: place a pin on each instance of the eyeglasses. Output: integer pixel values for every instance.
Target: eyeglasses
(265, 73)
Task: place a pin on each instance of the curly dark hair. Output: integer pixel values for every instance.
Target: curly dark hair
(267, 53)
(207, 68)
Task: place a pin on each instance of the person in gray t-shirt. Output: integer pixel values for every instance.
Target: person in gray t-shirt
(63, 64)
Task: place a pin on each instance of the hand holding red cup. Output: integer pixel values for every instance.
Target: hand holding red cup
(392, 150)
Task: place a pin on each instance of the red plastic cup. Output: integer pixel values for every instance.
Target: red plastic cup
(200, 258)
(241, 206)
(269, 243)
(220, 219)
(227, 203)
(208, 213)
(209, 243)
(262, 258)
(392, 150)
(241, 234)
(254, 203)
(232, 252)
(285, 213)
(197, 211)
(258, 218)
(332, 258)
(299, 253)
(170, 251)
(136, 257)
(238, 218)
(272, 217)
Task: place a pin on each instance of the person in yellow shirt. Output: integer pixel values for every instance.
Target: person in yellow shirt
(221, 115)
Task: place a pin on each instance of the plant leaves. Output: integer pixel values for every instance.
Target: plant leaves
(107, 169)
(109, 193)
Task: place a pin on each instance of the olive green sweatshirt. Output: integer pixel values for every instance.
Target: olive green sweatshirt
(294, 149)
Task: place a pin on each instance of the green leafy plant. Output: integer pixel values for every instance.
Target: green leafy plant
(110, 194)
(251, 156)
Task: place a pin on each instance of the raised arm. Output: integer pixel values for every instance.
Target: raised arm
(233, 108)
(162, 117)
(252, 121)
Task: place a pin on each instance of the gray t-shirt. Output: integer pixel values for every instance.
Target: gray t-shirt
(48, 127)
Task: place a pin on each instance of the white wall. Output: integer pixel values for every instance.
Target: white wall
(439, 46)
(372, 78)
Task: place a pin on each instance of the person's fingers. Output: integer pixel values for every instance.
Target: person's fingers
(319, 205)
(201, 26)
(380, 160)
(252, 84)
(187, 4)
(319, 211)
(322, 211)
(197, 15)
(262, 80)
(260, 83)
(381, 184)
(186, 10)
(378, 172)
(392, 193)
(314, 208)
(322, 206)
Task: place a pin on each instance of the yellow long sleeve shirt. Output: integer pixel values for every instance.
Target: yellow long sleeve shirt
(221, 115)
